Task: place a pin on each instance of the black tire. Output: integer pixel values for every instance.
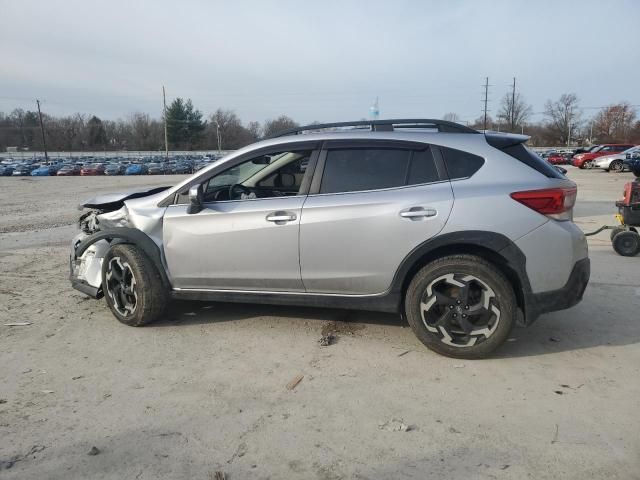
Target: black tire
(615, 231)
(616, 166)
(626, 243)
(132, 286)
(456, 337)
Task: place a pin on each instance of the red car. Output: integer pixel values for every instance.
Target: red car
(95, 169)
(584, 160)
(556, 159)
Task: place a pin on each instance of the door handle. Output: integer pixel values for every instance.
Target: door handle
(278, 217)
(415, 213)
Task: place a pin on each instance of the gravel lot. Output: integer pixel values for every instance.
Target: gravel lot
(205, 389)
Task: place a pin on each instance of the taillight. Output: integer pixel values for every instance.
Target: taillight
(556, 203)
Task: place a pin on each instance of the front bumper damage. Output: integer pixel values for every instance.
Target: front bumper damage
(85, 272)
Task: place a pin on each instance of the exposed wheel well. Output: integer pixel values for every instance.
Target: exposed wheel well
(471, 249)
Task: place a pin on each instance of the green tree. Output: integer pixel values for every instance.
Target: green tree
(97, 133)
(184, 124)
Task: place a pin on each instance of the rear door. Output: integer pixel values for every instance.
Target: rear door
(370, 204)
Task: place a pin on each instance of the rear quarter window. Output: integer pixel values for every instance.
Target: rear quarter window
(460, 164)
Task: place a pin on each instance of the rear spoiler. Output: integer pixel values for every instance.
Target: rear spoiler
(504, 140)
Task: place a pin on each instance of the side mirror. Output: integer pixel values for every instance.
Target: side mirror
(560, 169)
(195, 199)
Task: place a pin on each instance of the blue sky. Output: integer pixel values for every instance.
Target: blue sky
(324, 61)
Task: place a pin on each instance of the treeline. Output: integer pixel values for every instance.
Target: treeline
(187, 129)
(564, 123)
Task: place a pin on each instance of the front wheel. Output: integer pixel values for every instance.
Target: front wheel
(132, 286)
(461, 306)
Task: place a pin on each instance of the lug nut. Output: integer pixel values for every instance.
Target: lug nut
(458, 302)
(454, 315)
(450, 307)
(466, 307)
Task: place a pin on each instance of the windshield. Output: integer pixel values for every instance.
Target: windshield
(243, 172)
(595, 148)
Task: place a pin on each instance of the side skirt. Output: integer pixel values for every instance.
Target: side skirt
(377, 303)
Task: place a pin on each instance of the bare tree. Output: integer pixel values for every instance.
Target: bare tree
(514, 112)
(614, 123)
(226, 132)
(278, 125)
(563, 117)
(451, 117)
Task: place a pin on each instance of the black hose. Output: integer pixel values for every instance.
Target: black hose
(604, 227)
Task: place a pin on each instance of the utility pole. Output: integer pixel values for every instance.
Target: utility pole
(513, 105)
(44, 141)
(486, 99)
(166, 140)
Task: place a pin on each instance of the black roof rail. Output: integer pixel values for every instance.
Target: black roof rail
(384, 126)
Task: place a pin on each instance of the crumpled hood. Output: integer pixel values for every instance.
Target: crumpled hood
(114, 201)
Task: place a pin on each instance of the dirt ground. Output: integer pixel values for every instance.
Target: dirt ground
(205, 390)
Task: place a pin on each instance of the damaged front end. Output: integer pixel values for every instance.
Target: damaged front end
(108, 219)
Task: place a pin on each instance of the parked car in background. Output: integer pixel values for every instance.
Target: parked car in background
(155, 169)
(614, 163)
(585, 160)
(22, 170)
(44, 171)
(6, 170)
(68, 170)
(557, 159)
(181, 168)
(92, 169)
(136, 169)
(114, 169)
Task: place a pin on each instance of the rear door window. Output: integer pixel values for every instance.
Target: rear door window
(358, 169)
(362, 169)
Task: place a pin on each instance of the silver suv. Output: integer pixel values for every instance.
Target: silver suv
(462, 232)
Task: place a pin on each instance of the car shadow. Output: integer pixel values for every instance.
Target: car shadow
(596, 322)
(183, 312)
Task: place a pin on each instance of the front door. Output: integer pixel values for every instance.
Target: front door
(246, 236)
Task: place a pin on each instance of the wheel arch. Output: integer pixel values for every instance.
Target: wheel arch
(493, 247)
(130, 236)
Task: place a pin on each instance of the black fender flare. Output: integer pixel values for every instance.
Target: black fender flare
(131, 236)
(502, 250)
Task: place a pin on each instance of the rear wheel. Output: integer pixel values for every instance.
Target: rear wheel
(461, 306)
(616, 166)
(627, 243)
(132, 286)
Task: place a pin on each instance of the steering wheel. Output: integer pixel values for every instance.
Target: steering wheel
(239, 188)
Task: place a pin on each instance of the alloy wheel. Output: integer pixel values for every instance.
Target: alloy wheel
(121, 286)
(461, 309)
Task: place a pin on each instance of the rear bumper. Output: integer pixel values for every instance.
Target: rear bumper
(566, 297)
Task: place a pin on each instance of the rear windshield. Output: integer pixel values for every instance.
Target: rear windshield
(526, 156)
